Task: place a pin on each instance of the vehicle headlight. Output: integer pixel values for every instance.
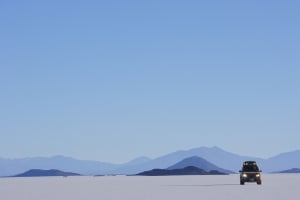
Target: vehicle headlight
(257, 175)
(245, 175)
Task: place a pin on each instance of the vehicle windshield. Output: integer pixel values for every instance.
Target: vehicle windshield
(250, 168)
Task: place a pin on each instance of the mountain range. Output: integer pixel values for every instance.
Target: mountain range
(10, 167)
(215, 155)
(190, 166)
(190, 170)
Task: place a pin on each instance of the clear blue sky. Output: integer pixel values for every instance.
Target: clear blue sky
(114, 80)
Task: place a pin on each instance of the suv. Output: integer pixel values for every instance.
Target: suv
(250, 173)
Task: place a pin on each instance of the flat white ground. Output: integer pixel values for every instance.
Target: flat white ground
(274, 186)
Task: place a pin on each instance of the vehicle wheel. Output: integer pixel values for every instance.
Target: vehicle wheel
(258, 182)
(242, 183)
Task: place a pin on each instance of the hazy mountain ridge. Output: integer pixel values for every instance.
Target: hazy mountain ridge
(9, 167)
(289, 171)
(283, 161)
(214, 155)
(138, 161)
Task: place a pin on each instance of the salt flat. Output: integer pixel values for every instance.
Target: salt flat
(274, 186)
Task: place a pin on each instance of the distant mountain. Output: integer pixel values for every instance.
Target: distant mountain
(190, 170)
(282, 162)
(199, 163)
(214, 155)
(221, 158)
(51, 172)
(138, 161)
(9, 167)
(290, 171)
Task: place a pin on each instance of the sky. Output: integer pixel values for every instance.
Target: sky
(115, 80)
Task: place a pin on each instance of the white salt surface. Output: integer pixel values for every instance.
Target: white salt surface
(274, 186)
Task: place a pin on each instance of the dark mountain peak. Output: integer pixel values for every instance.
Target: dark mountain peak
(189, 170)
(198, 162)
(40, 172)
(193, 168)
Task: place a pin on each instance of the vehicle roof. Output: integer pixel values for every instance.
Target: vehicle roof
(250, 162)
(250, 166)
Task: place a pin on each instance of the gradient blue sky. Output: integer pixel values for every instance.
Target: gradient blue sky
(114, 80)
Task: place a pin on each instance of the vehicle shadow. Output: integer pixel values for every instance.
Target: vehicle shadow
(203, 185)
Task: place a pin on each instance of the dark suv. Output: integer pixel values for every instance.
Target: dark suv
(250, 173)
